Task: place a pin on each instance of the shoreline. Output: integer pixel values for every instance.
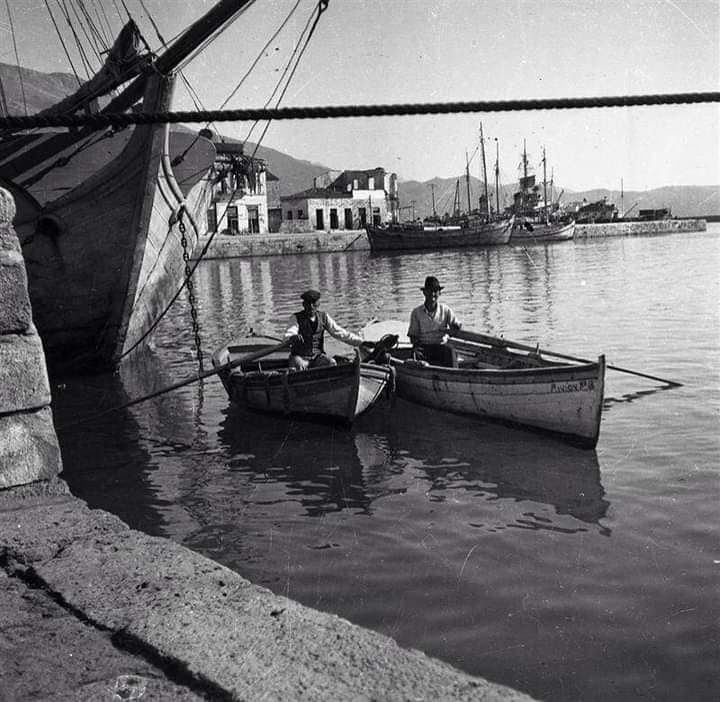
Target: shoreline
(250, 245)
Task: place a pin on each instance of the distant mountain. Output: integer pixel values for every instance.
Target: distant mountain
(683, 200)
(41, 90)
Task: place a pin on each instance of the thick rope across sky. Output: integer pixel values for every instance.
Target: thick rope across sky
(101, 120)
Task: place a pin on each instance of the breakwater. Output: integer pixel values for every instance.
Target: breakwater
(242, 245)
(657, 227)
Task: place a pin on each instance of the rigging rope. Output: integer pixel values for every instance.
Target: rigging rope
(62, 42)
(81, 50)
(100, 120)
(17, 57)
(284, 73)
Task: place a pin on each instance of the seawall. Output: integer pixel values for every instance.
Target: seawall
(663, 226)
(91, 609)
(242, 245)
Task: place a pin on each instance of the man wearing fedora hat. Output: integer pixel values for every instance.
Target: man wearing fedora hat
(306, 334)
(431, 324)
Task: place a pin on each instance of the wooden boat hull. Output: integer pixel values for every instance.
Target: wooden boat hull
(413, 238)
(565, 400)
(542, 233)
(341, 392)
(98, 219)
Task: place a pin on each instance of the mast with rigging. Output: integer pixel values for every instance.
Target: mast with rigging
(482, 151)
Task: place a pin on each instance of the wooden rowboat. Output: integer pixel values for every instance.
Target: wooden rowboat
(340, 392)
(492, 381)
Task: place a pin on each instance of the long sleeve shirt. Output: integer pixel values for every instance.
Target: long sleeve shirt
(331, 326)
(432, 327)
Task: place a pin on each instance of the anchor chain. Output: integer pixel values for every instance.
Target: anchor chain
(190, 290)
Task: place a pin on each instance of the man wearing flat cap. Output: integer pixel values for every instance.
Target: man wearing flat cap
(431, 324)
(306, 334)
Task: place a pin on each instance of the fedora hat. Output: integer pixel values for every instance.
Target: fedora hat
(431, 283)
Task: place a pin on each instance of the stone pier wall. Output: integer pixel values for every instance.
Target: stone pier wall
(29, 450)
(666, 226)
(225, 246)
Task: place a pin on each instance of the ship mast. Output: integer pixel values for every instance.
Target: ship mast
(432, 190)
(467, 181)
(523, 189)
(497, 177)
(544, 162)
(482, 151)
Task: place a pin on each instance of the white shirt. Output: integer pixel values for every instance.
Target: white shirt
(432, 327)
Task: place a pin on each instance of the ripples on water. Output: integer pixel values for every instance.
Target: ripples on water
(567, 574)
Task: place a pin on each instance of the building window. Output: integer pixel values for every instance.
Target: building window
(362, 215)
(333, 219)
(319, 220)
(289, 214)
(301, 214)
(212, 219)
(376, 216)
(253, 219)
(232, 220)
(348, 218)
(355, 183)
(371, 183)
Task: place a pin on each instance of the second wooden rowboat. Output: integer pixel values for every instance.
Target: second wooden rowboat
(340, 392)
(492, 381)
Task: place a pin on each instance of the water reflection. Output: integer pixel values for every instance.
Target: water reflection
(328, 470)
(493, 462)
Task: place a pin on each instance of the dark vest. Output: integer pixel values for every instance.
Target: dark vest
(314, 342)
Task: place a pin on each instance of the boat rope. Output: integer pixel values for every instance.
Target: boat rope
(190, 290)
(242, 80)
(93, 37)
(295, 57)
(187, 281)
(62, 42)
(78, 44)
(17, 57)
(124, 119)
(187, 277)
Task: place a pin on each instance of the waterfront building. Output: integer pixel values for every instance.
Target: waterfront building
(342, 200)
(240, 202)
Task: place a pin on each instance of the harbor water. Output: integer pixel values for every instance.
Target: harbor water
(567, 574)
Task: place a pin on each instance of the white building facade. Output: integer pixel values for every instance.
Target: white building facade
(342, 200)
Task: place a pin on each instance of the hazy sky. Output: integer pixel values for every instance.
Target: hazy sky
(397, 51)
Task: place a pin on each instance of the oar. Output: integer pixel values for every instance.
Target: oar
(193, 379)
(494, 341)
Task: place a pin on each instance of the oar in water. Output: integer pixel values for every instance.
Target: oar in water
(495, 341)
(193, 379)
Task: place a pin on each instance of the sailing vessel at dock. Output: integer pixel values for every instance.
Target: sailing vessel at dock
(107, 220)
(536, 222)
(462, 230)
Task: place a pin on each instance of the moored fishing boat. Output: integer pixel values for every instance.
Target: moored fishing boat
(107, 219)
(536, 220)
(254, 371)
(492, 381)
(409, 237)
(541, 232)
